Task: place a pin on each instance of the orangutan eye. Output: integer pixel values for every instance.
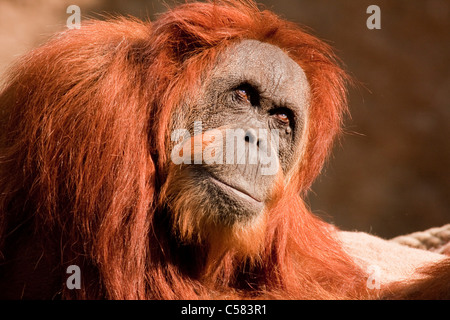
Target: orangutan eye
(283, 116)
(246, 93)
(242, 95)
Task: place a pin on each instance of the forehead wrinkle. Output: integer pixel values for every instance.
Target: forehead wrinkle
(277, 75)
(268, 68)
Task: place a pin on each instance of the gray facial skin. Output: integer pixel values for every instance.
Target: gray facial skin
(253, 86)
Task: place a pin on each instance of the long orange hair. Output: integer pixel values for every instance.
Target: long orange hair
(84, 156)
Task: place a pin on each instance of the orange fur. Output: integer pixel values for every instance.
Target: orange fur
(85, 166)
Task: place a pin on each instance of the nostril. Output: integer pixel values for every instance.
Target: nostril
(251, 137)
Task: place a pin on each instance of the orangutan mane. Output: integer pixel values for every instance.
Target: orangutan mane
(87, 176)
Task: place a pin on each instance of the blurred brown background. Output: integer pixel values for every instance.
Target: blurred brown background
(390, 174)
